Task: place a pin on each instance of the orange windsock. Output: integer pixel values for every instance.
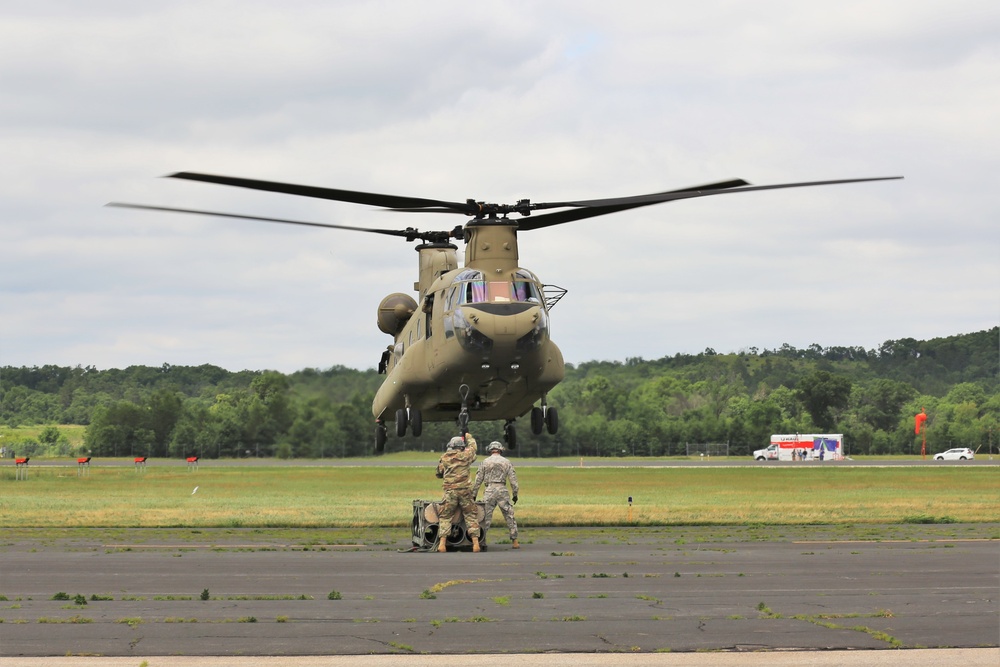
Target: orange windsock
(918, 421)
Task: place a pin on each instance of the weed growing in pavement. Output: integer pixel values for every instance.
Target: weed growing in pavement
(402, 647)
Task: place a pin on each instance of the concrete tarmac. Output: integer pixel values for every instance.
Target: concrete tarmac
(645, 596)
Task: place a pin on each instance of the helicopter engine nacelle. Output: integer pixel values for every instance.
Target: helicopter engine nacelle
(394, 312)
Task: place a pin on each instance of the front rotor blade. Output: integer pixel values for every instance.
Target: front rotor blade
(689, 193)
(719, 185)
(369, 198)
(405, 233)
(595, 207)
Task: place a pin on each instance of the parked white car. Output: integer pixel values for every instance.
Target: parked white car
(956, 454)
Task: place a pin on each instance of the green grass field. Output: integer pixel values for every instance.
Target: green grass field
(298, 496)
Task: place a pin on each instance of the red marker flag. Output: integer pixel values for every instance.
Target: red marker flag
(918, 421)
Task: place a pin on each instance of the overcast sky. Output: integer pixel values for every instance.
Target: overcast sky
(494, 101)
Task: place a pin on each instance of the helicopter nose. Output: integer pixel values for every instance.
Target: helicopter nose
(513, 328)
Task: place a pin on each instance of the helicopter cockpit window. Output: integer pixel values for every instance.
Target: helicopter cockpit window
(481, 291)
(475, 291)
(526, 291)
(472, 287)
(526, 287)
(499, 292)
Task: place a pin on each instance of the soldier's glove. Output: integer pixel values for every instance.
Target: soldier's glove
(439, 474)
(514, 500)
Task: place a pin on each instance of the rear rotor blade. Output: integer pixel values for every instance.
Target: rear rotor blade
(354, 197)
(409, 233)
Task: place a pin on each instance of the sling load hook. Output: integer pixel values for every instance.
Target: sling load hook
(463, 416)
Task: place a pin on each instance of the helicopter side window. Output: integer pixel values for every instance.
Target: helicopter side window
(429, 312)
(449, 325)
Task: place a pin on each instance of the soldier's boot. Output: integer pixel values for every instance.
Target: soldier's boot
(443, 546)
(514, 544)
(475, 544)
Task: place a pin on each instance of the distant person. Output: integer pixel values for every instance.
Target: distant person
(453, 469)
(495, 472)
(383, 363)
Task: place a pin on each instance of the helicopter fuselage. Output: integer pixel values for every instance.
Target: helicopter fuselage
(502, 351)
(485, 326)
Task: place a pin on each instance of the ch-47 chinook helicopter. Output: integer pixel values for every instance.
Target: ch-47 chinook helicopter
(474, 343)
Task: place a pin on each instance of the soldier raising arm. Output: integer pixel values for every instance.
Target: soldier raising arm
(453, 469)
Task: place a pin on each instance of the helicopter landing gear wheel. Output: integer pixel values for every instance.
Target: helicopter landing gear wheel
(537, 421)
(510, 435)
(380, 437)
(416, 422)
(401, 422)
(551, 420)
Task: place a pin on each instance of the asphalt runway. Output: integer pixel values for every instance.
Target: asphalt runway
(652, 592)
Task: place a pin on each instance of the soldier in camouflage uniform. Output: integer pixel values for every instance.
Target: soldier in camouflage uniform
(495, 472)
(453, 469)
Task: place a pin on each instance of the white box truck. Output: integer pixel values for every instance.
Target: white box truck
(803, 447)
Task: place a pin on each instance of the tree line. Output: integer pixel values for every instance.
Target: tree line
(636, 407)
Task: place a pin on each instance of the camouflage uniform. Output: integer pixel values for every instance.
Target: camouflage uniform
(453, 469)
(495, 471)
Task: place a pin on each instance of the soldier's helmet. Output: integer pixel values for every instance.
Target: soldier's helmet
(458, 442)
(494, 446)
